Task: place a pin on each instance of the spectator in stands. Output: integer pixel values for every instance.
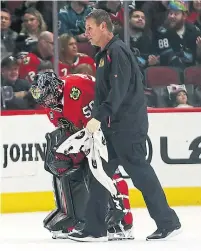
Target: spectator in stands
(18, 8)
(69, 55)
(180, 100)
(72, 19)
(178, 42)
(84, 69)
(32, 26)
(45, 8)
(45, 66)
(194, 9)
(155, 12)
(197, 6)
(178, 96)
(116, 11)
(13, 6)
(20, 97)
(141, 39)
(8, 36)
(44, 51)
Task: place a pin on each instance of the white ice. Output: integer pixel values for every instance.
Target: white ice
(20, 232)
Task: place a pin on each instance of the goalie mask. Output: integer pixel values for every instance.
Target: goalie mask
(47, 89)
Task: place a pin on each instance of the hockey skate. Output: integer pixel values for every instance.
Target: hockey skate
(121, 232)
(118, 227)
(63, 234)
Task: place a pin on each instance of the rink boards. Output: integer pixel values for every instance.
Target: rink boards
(173, 148)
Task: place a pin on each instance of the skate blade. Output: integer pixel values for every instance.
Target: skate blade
(120, 236)
(89, 239)
(121, 239)
(59, 235)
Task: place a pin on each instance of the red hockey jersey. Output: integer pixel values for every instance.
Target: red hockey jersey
(29, 65)
(77, 100)
(82, 59)
(118, 17)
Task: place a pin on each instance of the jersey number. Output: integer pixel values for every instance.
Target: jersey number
(87, 109)
(64, 71)
(163, 43)
(31, 75)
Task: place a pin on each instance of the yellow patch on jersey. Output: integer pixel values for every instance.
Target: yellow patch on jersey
(101, 63)
(75, 93)
(26, 60)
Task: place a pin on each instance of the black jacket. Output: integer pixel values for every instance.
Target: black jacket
(8, 43)
(119, 96)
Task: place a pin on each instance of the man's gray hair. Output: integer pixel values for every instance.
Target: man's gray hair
(101, 16)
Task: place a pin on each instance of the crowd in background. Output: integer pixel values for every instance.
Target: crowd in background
(165, 37)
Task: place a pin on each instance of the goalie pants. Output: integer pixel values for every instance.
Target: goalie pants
(132, 156)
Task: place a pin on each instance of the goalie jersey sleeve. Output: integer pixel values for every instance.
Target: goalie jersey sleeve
(78, 98)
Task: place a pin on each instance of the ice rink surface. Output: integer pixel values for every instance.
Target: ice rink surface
(20, 232)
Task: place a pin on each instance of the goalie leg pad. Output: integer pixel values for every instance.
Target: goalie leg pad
(60, 217)
(79, 182)
(72, 197)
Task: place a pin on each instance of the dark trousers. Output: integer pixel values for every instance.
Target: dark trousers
(129, 150)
